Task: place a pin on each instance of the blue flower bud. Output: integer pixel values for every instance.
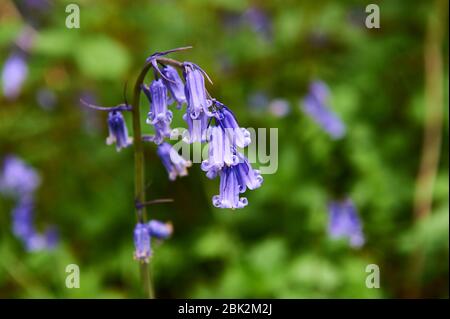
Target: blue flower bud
(195, 91)
(118, 132)
(344, 222)
(157, 96)
(175, 85)
(17, 178)
(315, 105)
(174, 163)
(220, 152)
(14, 74)
(142, 240)
(159, 229)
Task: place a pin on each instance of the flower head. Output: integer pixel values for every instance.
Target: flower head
(195, 91)
(157, 96)
(143, 233)
(175, 85)
(229, 190)
(14, 74)
(247, 176)
(118, 132)
(315, 105)
(142, 240)
(197, 128)
(174, 163)
(159, 229)
(226, 119)
(17, 178)
(221, 152)
(344, 222)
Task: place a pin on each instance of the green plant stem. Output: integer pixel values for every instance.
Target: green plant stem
(139, 168)
(431, 149)
(139, 173)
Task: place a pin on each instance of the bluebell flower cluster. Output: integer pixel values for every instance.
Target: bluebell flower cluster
(208, 120)
(315, 104)
(344, 222)
(144, 232)
(20, 181)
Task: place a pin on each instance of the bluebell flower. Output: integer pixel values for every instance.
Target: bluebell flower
(142, 242)
(175, 85)
(238, 136)
(24, 229)
(247, 176)
(259, 21)
(17, 178)
(22, 218)
(197, 129)
(159, 229)
(174, 163)
(157, 96)
(279, 107)
(220, 153)
(45, 241)
(229, 190)
(14, 74)
(195, 91)
(118, 132)
(315, 105)
(344, 222)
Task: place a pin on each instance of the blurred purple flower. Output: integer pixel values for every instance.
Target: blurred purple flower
(174, 163)
(344, 222)
(46, 98)
(315, 105)
(142, 240)
(143, 234)
(118, 132)
(279, 107)
(259, 21)
(258, 101)
(14, 73)
(17, 178)
(91, 119)
(159, 229)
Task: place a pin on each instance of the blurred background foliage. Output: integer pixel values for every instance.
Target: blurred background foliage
(278, 245)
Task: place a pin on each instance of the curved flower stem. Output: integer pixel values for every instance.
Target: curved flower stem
(139, 171)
